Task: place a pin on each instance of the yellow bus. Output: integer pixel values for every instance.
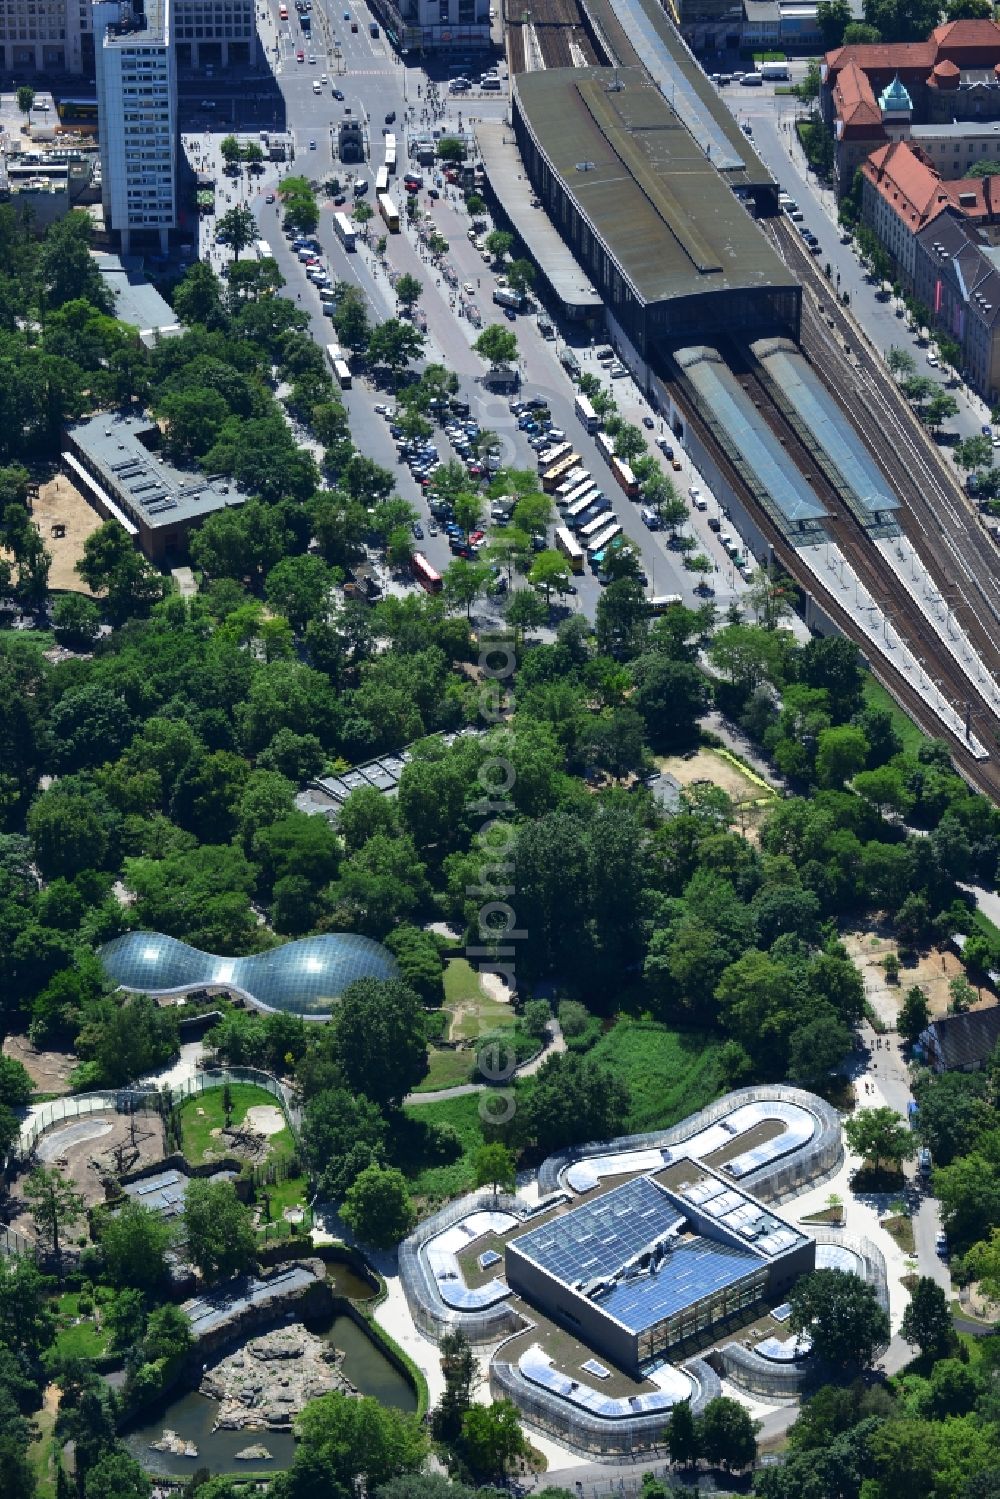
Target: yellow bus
(570, 549)
(554, 476)
(389, 212)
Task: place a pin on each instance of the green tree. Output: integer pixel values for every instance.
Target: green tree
(841, 752)
(494, 1167)
(116, 1475)
(300, 588)
(880, 1137)
(842, 1315)
(900, 361)
(409, 290)
(727, 1433)
(219, 1229)
(76, 621)
(134, 1242)
(377, 1207)
(983, 1263)
(832, 16)
(394, 344)
(939, 408)
(26, 100)
(238, 229)
(451, 149)
(492, 1438)
(521, 276)
(461, 1375)
(927, 1321)
(112, 566)
(682, 1435)
(914, 1013)
(572, 1099)
(463, 582)
(343, 1133)
(973, 452)
(53, 1205)
(363, 1441)
(499, 243)
(380, 1039)
(816, 1048)
(549, 570)
(497, 345)
(229, 150)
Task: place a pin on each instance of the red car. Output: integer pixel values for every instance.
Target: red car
(476, 536)
(300, 56)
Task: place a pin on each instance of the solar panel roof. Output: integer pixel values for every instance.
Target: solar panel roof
(692, 1270)
(597, 1238)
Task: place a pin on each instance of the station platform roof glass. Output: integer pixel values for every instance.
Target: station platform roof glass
(746, 435)
(802, 388)
(304, 977)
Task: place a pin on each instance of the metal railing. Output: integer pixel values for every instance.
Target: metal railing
(151, 1099)
(773, 1182)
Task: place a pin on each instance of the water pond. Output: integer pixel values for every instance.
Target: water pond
(192, 1415)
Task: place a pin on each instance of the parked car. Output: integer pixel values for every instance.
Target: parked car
(647, 422)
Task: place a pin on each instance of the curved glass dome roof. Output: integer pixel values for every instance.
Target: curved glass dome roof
(302, 978)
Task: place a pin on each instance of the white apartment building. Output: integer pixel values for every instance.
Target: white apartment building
(137, 119)
(44, 36)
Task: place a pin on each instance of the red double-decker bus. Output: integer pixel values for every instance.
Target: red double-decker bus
(425, 574)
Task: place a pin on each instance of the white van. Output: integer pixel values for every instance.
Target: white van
(694, 493)
(752, 80)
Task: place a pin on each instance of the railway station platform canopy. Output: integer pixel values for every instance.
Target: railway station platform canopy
(544, 243)
(751, 446)
(828, 432)
(640, 203)
(301, 978)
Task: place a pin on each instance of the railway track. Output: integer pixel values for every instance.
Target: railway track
(908, 622)
(953, 545)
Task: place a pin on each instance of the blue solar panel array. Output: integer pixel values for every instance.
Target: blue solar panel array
(597, 1238)
(303, 977)
(687, 1274)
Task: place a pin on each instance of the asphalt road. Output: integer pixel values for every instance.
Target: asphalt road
(375, 84)
(771, 118)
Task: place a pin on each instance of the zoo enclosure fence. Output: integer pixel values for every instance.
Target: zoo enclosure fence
(135, 1100)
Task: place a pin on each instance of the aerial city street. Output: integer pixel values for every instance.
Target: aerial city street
(500, 760)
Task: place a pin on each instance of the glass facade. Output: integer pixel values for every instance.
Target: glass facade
(303, 977)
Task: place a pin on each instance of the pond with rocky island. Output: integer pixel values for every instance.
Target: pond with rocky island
(250, 1395)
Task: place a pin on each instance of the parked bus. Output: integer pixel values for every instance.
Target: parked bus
(625, 478)
(389, 212)
(554, 476)
(570, 548)
(601, 540)
(774, 72)
(338, 364)
(587, 414)
(77, 114)
(503, 296)
(572, 481)
(390, 154)
(345, 231)
(662, 602)
(553, 455)
(425, 574)
(606, 446)
(382, 181)
(596, 527)
(583, 487)
(585, 503)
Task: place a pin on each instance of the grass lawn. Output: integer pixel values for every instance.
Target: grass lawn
(669, 1074)
(204, 1113)
(446, 1069)
(876, 696)
(981, 923)
(445, 1178)
(42, 1454)
(76, 1339)
(473, 1012)
(900, 1228)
